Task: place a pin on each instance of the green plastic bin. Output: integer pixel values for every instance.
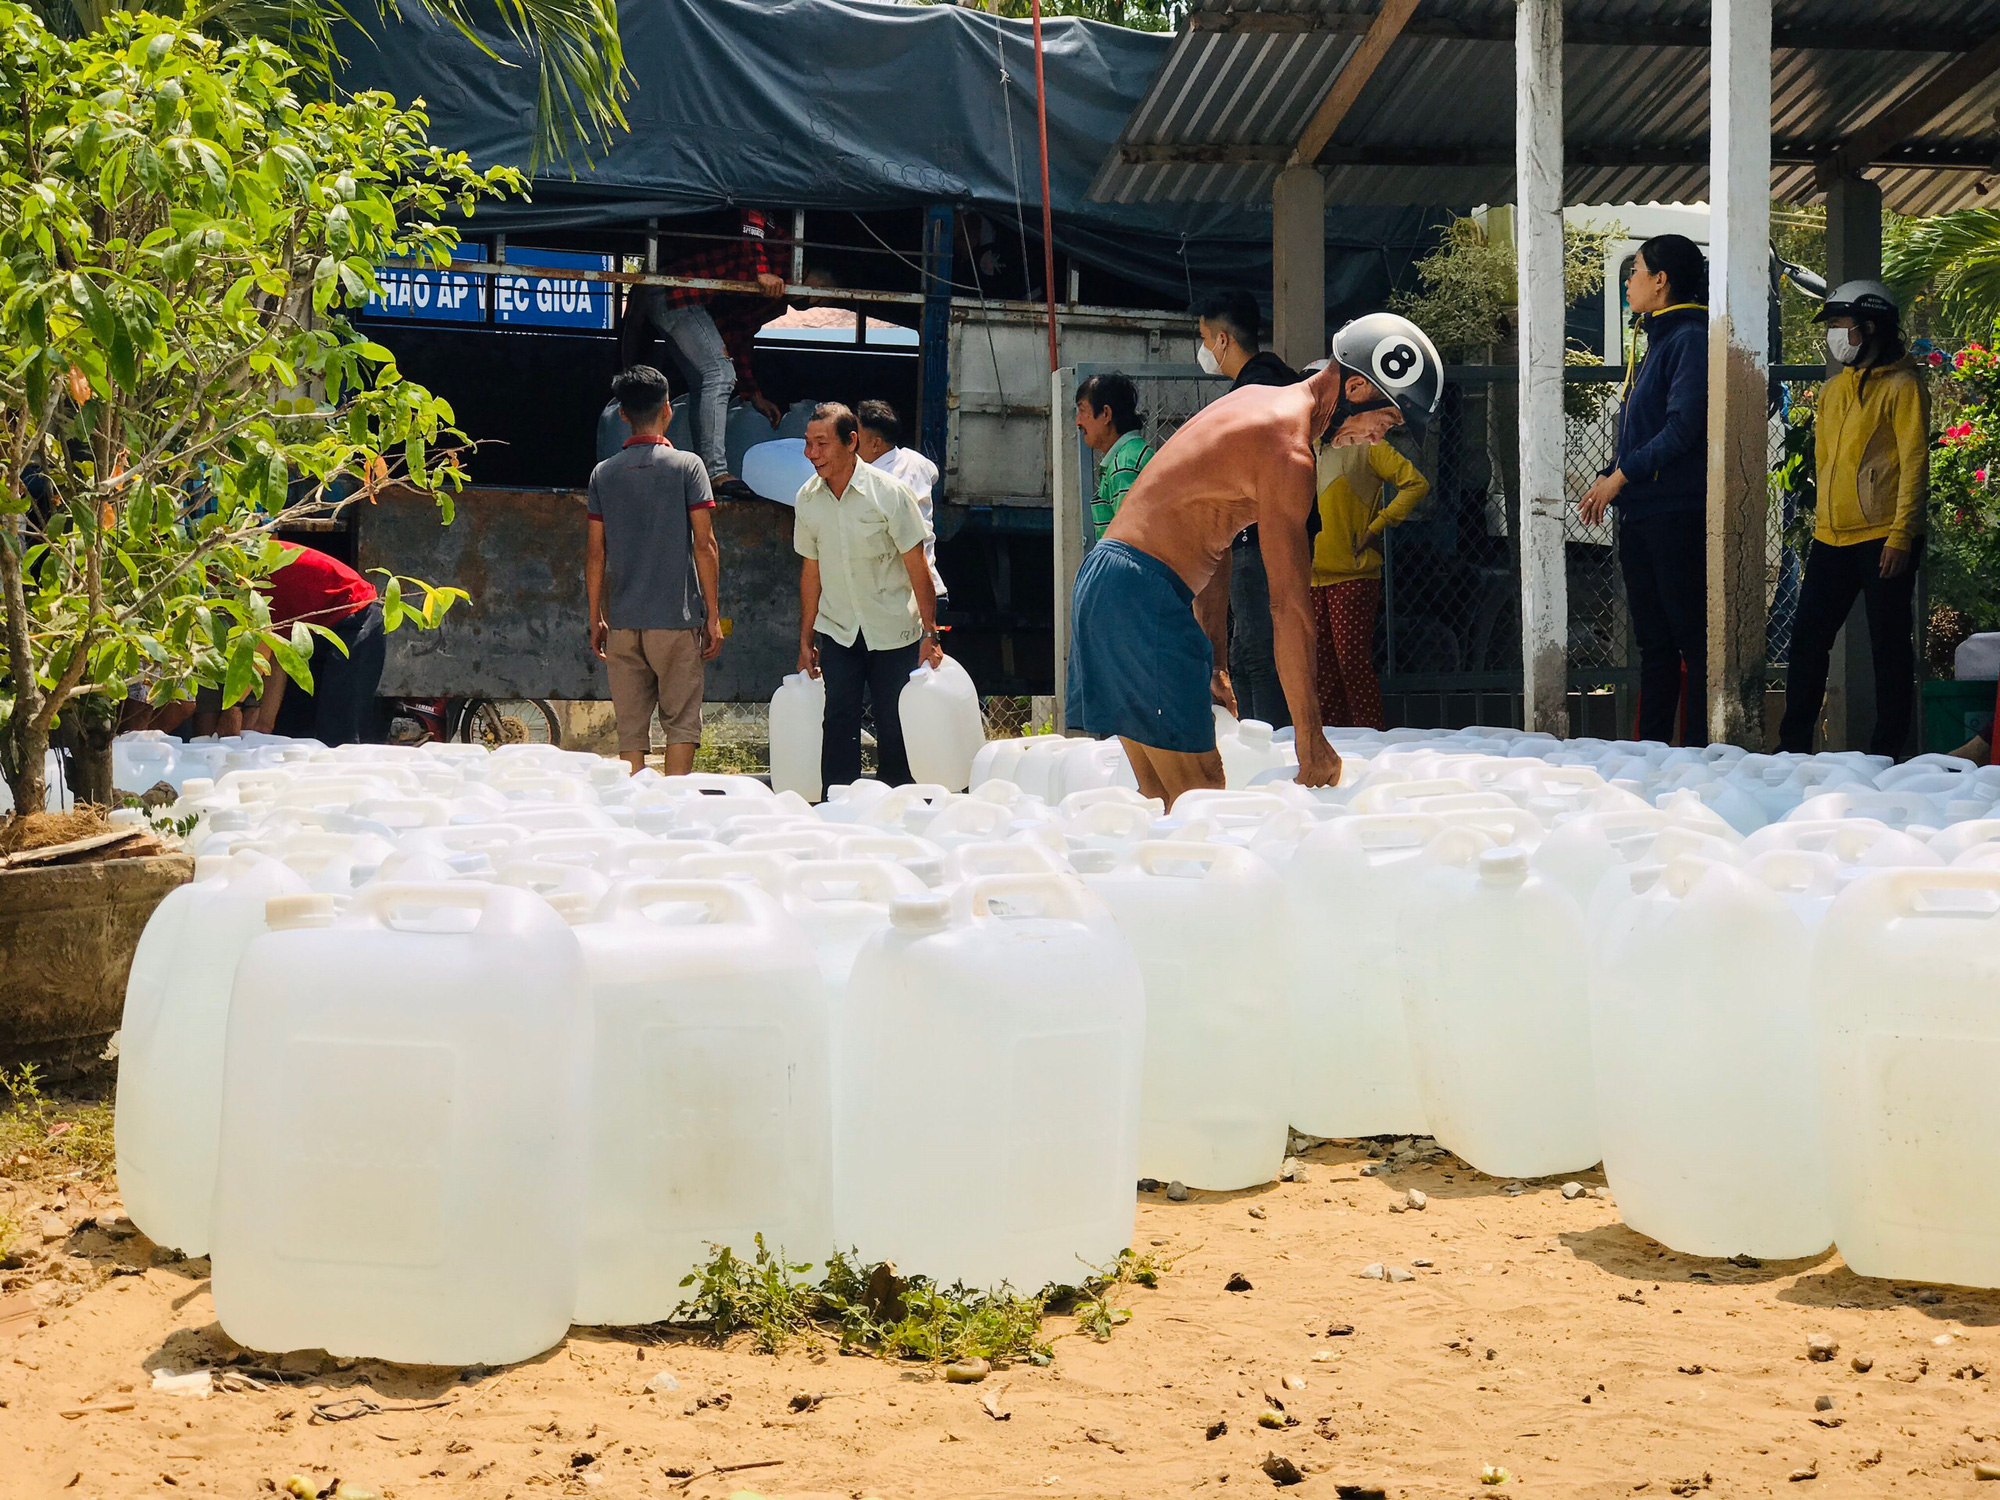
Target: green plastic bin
(1955, 711)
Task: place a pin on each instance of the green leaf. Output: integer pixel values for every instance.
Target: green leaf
(292, 660)
(240, 679)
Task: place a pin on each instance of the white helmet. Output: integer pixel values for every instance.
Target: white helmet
(1859, 299)
(1397, 358)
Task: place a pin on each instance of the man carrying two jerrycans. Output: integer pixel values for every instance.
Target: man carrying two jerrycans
(867, 603)
(1146, 615)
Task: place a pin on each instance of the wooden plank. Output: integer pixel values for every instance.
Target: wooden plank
(1352, 79)
(49, 853)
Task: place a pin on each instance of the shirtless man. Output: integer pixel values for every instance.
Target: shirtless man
(1149, 614)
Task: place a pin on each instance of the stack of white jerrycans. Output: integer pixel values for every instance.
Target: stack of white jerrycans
(939, 710)
(1748, 984)
(442, 1053)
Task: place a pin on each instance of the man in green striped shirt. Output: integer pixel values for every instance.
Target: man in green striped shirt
(1107, 414)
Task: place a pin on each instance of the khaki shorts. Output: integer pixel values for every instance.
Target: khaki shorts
(655, 669)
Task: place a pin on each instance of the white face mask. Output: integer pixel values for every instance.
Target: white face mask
(1205, 357)
(1844, 344)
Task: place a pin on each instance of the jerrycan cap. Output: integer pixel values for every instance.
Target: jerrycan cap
(919, 913)
(1507, 866)
(229, 820)
(1093, 861)
(314, 909)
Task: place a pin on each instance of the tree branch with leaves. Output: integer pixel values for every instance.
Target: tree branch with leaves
(182, 232)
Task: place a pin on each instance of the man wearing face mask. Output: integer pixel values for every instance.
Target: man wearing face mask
(1228, 322)
(1149, 597)
(1871, 452)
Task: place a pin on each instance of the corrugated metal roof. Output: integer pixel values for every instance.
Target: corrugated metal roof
(1435, 123)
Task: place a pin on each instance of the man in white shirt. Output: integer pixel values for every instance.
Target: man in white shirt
(867, 612)
(882, 447)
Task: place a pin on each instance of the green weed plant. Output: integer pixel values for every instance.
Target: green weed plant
(869, 1309)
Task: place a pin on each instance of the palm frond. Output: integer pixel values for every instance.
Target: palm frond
(1957, 255)
(582, 82)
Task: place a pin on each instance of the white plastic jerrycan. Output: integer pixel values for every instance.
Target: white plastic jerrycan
(1350, 877)
(1498, 1011)
(1904, 973)
(1207, 923)
(1249, 752)
(709, 1105)
(839, 904)
(942, 729)
(1703, 1052)
(798, 734)
(1026, 985)
(403, 1128)
(170, 1045)
(141, 761)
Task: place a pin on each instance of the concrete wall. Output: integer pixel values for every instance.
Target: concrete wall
(519, 553)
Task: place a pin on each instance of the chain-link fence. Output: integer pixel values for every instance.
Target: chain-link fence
(1448, 639)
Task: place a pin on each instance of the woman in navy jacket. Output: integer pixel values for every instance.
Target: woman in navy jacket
(1659, 482)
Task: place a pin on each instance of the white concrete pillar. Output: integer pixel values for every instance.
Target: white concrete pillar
(1070, 518)
(1738, 367)
(1298, 265)
(1538, 241)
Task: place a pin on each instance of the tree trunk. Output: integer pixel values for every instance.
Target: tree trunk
(28, 780)
(89, 725)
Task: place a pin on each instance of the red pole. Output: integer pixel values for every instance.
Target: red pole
(1048, 215)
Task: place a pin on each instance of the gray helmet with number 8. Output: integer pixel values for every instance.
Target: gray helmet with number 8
(1398, 359)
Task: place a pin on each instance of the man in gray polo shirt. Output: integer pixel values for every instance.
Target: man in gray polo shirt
(652, 572)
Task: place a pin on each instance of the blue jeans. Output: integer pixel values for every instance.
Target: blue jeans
(697, 348)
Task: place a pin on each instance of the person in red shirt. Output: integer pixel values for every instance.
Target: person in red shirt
(711, 334)
(323, 590)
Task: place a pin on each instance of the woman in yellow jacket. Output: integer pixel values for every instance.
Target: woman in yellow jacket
(1871, 451)
(1347, 572)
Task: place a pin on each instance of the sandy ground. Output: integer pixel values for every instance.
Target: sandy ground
(1542, 1337)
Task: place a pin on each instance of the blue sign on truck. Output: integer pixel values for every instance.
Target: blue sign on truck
(433, 293)
(531, 293)
(537, 295)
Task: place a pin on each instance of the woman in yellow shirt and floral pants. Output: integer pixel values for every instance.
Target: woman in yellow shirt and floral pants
(1347, 572)
(1871, 451)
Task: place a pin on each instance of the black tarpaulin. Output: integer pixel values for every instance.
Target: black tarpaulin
(847, 104)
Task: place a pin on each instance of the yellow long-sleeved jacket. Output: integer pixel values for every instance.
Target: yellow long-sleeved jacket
(1352, 516)
(1871, 447)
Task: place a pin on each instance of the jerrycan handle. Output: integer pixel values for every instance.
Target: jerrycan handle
(497, 905)
(1004, 857)
(885, 846)
(1459, 844)
(723, 901)
(1923, 890)
(1154, 853)
(1797, 871)
(1682, 873)
(1057, 895)
(1386, 830)
(766, 870)
(873, 879)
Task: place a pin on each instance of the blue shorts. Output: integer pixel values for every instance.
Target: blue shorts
(1139, 662)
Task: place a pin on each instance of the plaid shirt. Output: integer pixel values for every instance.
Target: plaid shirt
(737, 315)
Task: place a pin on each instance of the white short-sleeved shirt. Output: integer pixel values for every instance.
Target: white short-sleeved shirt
(859, 539)
(920, 474)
